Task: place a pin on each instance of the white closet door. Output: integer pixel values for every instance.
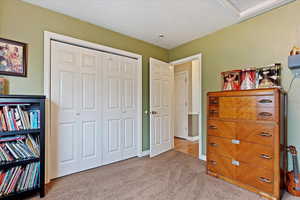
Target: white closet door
(129, 107)
(112, 107)
(120, 108)
(75, 109)
(93, 108)
(65, 124)
(90, 109)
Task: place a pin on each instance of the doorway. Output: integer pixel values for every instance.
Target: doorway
(187, 106)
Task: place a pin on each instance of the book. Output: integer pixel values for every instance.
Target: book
(20, 178)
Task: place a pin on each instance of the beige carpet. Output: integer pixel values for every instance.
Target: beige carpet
(171, 176)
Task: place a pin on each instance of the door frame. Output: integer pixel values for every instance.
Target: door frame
(186, 96)
(48, 36)
(185, 60)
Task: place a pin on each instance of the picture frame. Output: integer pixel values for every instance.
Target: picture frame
(231, 80)
(269, 76)
(13, 58)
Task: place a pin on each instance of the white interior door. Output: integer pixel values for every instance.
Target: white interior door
(181, 105)
(75, 127)
(161, 118)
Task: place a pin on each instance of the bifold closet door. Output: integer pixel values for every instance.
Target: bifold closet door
(75, 109)
(119, 108)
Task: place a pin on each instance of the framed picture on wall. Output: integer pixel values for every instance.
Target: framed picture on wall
(13, 58)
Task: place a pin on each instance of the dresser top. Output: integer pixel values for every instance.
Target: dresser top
(254, 92)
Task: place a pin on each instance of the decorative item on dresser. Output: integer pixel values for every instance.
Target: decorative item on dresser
(246, 139)
(22, 146)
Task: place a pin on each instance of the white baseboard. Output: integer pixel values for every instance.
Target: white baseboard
(144, 153)
(192, 138)
(202, 157)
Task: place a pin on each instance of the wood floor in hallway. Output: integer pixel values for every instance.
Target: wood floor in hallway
(187, 147)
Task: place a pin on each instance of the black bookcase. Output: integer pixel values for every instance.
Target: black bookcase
(38, 103)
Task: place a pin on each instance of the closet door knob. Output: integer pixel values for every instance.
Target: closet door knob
(77, 114)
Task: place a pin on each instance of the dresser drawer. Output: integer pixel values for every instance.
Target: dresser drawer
(220, 165)
(260, 133)
(255, 154)
(221, 128)
(266, 114)
(221, 146)
(259, 178)
(213, 112)
(265, 101)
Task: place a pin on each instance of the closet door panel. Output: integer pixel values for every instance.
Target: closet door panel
(112, 88)
(90, 130)
(65, 127)
(130, 137)
(112, 140)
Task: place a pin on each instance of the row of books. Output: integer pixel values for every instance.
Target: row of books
(19, 148)
(17, 118)
(19, 178)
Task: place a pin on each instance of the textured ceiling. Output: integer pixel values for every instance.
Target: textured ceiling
(179, 21)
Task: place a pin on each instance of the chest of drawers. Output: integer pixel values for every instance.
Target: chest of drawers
(246, 139)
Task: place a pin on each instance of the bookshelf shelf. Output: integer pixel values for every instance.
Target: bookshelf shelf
(25, 112)
(4, 165)
(21, 132)
(20, 195)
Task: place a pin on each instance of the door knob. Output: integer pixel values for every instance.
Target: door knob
(153, 112)
(77, 114)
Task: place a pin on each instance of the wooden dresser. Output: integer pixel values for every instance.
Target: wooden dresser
(245, 139)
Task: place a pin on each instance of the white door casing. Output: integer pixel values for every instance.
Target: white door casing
(51, 113)
(181, 104)
(197, 106)
(161, 106)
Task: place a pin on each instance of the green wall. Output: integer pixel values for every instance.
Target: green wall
(26, 23)
(262, 40)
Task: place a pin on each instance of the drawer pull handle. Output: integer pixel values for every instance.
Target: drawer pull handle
(213, 144)
(264, 156)
(235, 141)
(265, 180)
(213, 102)
(212, 127)
(212, 162)
(213, 112)
(263, 134)
(265, 114)
(265, 101)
